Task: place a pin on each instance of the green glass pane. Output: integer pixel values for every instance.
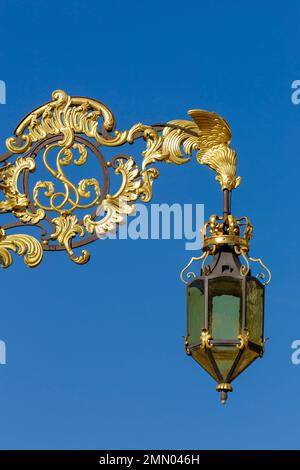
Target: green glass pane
(225, 308)
(225, 357)
(255, 310)
(202, 358)
(196, 310)
(246, 359)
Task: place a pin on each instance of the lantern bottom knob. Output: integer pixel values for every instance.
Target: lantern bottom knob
(224, 388)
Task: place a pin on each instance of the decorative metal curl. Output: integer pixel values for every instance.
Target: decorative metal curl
(245, 268)
(262, 275)
(191, 275)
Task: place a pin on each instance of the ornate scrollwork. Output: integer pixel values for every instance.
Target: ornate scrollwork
(190, 274)
(64, 158)
(68, 116)
(78, 124)
(117, 206)
(67, 227)
(15, 201)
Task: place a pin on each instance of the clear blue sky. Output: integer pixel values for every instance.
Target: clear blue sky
(95, 353)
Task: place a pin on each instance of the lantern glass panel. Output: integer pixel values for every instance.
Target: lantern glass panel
(248, 356)
(200, 355)
(225, 305)
(196, 311)
(255, 310)
(225, 358)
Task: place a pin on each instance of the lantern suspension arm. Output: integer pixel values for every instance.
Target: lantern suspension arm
(70, 130)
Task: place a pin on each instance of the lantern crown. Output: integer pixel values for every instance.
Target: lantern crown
(227, 230)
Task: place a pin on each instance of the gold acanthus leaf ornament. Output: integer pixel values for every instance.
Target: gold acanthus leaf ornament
(178, 141)
(15, 201)
(23, 245)
(67, 227)
(208, 134)
(68, 116)
(214, 141)
(116, 207)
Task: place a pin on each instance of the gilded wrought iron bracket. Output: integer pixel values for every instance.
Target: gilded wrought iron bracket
(65, 132)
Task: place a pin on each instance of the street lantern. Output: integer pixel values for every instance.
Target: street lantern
(225, 303)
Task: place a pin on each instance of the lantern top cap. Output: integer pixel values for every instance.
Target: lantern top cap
(228, 230)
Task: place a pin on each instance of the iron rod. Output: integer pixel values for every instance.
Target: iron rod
(226, 202)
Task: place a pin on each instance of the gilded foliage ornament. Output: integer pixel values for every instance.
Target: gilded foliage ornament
(67, 131)
(24, 245)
